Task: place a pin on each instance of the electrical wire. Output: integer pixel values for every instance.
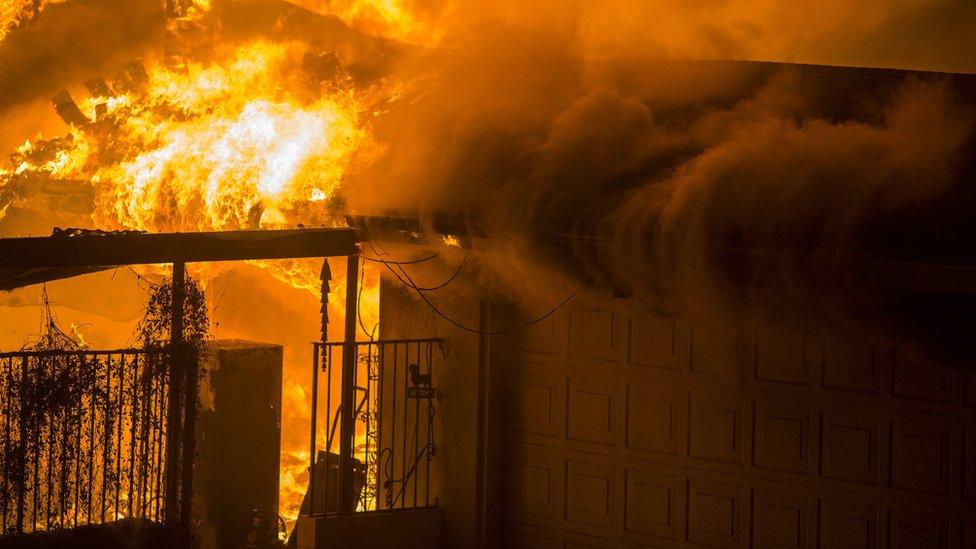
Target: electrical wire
(359, 309)
(420, 292)
(446, 282)
(409, 282)
(140, 278)
(407, 262)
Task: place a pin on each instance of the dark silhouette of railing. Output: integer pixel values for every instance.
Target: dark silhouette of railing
(83, 437)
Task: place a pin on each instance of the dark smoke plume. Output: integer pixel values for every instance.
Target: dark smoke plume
(713, 188)
(70, 42)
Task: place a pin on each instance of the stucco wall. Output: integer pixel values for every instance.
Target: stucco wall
(454, 470)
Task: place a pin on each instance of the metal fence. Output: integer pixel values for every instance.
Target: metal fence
(83, 437)
(394, 409)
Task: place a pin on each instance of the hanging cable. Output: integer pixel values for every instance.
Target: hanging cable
(420, 292)
(443, 284)
(359, 309)
(408, 262)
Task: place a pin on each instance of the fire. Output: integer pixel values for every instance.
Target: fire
(16, 12)
(237, 142)
(241, 149)
(388, 18)
(59, 162)
(241, 137)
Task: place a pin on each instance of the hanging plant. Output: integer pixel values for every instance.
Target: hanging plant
(154, 328)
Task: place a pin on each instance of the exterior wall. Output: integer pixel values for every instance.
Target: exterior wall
(456, 376)
(632, 428)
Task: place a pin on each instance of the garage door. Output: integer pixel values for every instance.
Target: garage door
(632, 428)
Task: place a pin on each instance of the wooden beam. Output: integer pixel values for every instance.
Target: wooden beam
(144, 248)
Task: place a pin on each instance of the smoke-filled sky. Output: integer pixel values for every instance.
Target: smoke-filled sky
(549, 119)
(917, 34)
(80, 36)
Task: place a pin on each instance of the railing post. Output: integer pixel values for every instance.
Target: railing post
(314, 435)
(347, 427)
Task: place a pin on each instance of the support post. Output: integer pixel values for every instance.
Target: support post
(189, 359)
(347, 427)
(175, 396)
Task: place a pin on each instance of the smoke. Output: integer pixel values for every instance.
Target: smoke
(711, 187)
(911, 34)
(769, 179)
(70, 42)
(545, 119)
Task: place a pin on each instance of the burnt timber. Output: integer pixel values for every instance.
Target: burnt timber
(144, 248)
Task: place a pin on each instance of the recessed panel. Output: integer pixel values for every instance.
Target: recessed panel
(537, 401)
(782, 437)
(716, 426)
(593, 409)
(715, 514)
(653, 416)
(921, 454)
(848, 526)
(785, 356)
(591, 493)
(917, 531)
(919, 381)
(534, 480)
(651, 504)
(547, 336)
(715, 350)
(852, 365)
(780, 520)
(654, 340)
(592, 334)
(851, 445)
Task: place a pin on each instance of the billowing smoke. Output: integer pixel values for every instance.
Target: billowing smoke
(70, 42)
(711, 187)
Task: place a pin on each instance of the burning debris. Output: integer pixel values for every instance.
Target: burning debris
(16, 14)
(156, 150)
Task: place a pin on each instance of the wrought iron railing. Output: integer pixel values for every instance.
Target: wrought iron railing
(82, 437)
(395, 406)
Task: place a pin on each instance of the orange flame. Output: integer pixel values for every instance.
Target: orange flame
(239, 152)
(236, 142)
(13, 12)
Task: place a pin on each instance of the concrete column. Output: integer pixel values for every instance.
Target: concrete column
(239, 440)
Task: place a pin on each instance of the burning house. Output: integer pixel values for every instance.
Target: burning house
(382, 274)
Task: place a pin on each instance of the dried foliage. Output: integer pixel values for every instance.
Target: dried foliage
(154, 329)
(42, 395)
(82, 432)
